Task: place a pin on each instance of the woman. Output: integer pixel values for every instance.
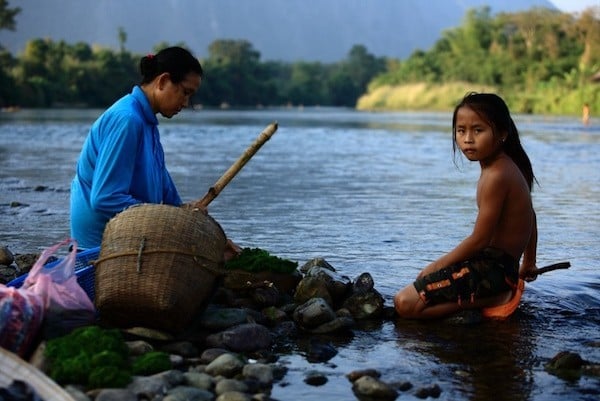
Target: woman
(122, 161)
(483, 270)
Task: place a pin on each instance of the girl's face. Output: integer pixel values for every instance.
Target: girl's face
(475, 137)
(175, 96)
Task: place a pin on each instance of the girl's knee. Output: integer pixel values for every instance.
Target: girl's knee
(403, 304)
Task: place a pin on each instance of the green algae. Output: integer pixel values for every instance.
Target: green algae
(257, 260)
(98, 358)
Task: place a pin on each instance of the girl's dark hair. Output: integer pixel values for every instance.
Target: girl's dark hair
(177, 61)
(492, 109)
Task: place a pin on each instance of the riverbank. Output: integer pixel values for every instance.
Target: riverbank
(421, 96)
(239, 348)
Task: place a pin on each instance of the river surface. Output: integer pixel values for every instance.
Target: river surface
(369, 192)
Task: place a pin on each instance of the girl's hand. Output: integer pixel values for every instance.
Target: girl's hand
(528, 272)
(431, 268)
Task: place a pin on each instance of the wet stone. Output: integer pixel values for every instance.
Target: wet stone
(314, 378)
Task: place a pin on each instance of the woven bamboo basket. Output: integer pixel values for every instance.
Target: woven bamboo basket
(157, 266)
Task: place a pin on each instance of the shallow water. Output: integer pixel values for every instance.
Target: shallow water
(374, 192)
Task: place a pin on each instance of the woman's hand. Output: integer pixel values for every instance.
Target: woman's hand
(232, 250)
(195, 206)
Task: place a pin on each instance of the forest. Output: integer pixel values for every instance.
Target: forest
(543, 61)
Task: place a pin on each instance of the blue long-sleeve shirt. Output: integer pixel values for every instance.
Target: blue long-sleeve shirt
(121, 164)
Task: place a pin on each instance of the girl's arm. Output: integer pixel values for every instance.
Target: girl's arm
(492, 192)
(527, 271)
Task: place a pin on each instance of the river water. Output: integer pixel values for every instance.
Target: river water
(369, 192)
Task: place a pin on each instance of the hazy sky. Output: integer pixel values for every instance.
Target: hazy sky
(575, 5)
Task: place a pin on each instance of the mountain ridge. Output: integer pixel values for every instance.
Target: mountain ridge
(290, 30)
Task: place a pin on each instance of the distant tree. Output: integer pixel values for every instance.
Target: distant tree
(8, 89)
(7, 16)
(588, 30)
(233, 75)
(7, 83)
(236, 52)
(122, 39)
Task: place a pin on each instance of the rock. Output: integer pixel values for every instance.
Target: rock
(147, 333)
(338, 286)
(357, 374)
(210, 354)
(316, 262)
(227, 385)
(319, 351)
(260, 372)
(363, 283)
(233, 396)
(113, 394)
(315, 378)
(6, 256)
(365, 305)
(148, 387)
(312, 287)
(242, 280)
(187, 393)
(340, 323)
(268, 296)
(8, 274)
(199, 380)
(432, 391)
(217, 318)
(227, 365)
(372, 388)
(566, 360)
(139, 347)
(313, 313)
(566, 365)
(26, 261)
(242, 338)
(183, 348)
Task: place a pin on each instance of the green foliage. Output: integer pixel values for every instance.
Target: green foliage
(256, 260)
(56, 74)
(541, 59)
(7, 15)
(529, 55)
(150, 363)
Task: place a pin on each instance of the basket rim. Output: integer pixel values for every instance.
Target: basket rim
(15, 368)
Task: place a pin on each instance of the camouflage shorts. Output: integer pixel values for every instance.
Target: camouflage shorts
(491, 272)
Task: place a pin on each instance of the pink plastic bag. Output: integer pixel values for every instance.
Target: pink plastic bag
(66, 304)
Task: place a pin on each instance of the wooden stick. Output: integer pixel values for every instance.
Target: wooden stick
(555, 266)
(216, 189)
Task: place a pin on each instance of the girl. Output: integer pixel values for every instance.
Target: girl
(483, 270)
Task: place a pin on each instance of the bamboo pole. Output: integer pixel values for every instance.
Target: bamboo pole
(216, 189)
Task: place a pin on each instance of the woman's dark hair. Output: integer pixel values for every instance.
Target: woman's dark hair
(177, 61)
(492, 109)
